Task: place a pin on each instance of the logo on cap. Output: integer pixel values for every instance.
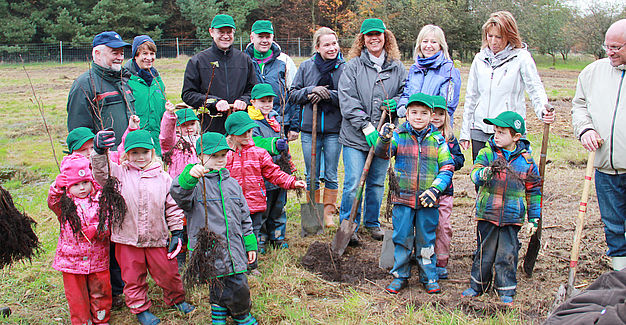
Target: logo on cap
(518, 124)
(81, 173)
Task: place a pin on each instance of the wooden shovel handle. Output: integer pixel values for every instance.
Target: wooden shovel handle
(313, 155)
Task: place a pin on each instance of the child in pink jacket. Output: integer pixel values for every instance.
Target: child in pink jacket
(142, 236)
(249, 165)
(82, 253)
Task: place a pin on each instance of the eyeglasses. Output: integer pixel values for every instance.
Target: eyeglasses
(613, 48)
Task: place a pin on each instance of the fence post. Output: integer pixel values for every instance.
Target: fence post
(177, 49)
(61, 51)
(299, 54)
(240, 43)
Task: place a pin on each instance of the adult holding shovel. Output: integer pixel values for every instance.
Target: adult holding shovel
(598, 115)
(372, 81)
(316, 84)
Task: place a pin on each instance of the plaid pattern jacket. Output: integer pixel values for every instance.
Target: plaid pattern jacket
(423, 160)
(510, 193)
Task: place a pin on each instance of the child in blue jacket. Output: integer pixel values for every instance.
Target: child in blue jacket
(423, 169)
(509, 188)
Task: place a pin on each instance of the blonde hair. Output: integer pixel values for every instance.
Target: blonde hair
(391, 46)
(323, 31)
(506, 25)
(439, 36)
(446, 128)
(197, 128)
(155, 158)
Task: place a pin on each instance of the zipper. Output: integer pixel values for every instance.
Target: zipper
(489, 101)
(619, 92)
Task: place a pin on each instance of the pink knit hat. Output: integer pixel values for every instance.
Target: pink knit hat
(74, 169)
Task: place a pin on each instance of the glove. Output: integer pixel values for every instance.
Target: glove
(176, 244)
(532, 226)
(321, 91)
(314, 98)
(282, 145)
(429, 197)
(387, 131)
(371, 134)
(104, 140)
(485, 173)
(391, 105)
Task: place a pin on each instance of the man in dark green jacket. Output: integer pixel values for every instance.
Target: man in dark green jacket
(100, 98)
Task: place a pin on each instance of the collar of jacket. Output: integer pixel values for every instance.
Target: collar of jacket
(366, 60)
(407, 128)
(220, 52)
(275, 48)
(222, 173)
(512, 55)
(523, 145)
(621, 67)
(108, 74)
(151, 170)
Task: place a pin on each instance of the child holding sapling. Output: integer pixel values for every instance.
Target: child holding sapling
(82, 252)
(250, 165)
(214, 202)
(509, 188)
(141, 238)
(441, 120)
(423, 169)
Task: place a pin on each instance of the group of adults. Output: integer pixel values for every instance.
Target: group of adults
(352, 95)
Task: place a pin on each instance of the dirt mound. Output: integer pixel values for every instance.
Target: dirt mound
(349, 268)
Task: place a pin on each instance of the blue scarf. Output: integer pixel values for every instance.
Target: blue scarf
(144, 74)
(426, 63)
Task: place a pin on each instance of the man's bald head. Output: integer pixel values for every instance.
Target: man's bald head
(616, 37)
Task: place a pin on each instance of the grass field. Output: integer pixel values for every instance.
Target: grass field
(286, 293)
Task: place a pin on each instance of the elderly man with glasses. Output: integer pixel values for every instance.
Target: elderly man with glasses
(598, 116)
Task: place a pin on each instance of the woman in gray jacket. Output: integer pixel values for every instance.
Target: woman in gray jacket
(372, 80)
(499, 75)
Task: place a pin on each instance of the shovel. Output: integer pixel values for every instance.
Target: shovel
(535, 240)
(312, 212)
(348, 226)
(580, 223)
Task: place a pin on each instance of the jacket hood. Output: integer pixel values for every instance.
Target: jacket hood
(366, 60)
(523, 145)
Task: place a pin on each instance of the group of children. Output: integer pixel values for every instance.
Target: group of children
(426, 155)
(234, 188)
(162, 207)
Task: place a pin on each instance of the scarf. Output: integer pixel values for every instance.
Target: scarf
(325, 67)
(256, 115)
(262, 58)
(378, 61)
(426, 63)
(496, 59)
(145, 74)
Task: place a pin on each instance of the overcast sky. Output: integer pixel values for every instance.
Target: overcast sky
(584, 4)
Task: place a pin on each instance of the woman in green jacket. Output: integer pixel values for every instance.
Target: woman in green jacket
(147, 86)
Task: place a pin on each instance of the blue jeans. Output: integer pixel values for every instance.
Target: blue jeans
(611, 191)
(414, 228)
(328, 147)
(354, 162)
(498, 248)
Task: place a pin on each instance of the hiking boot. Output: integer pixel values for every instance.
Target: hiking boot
(5, 312)
(469, 292)
(432, 287)
(354, 240)
(375, 232)
(442, 272)
(506, 299)
(396, 285)
(184, 307)
(147, 318)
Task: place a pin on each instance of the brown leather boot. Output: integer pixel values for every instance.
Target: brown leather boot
(330, 206)
(318, 193)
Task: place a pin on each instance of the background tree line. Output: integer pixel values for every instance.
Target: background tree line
(550, 26)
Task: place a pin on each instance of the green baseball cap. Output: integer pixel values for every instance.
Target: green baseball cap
(77, 137)
(238, 123)
(262, 26)
(222, 20)
(440, 102)
(138, 139)
(185, 115)
(262, 90)
(421, 98)
(508, 119)
(372, 25)
(211, 142)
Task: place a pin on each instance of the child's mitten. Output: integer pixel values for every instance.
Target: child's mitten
(104, 140)
(532, 226)
(387, 131)
(371, 134)
(176, 243)
(282, 145)
(429, 197)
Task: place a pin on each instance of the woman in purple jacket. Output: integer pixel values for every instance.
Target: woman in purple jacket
(433, 72)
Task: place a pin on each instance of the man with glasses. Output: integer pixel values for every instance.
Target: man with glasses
(229, 71)
(598, 116)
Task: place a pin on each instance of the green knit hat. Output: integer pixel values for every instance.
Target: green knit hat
(508, 119)
(262, 26)
(222, 20)
(422, 99)
(138, 139)
(77, 137)
(185, 115)
(238, 123)
(211, 142)
(262, 90)
(372, 25)
(439, 102)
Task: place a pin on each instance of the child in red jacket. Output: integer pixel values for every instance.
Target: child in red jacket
(249, 164)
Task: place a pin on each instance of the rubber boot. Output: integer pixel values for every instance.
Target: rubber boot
(330, 206)
(619, 262)
(318, 193)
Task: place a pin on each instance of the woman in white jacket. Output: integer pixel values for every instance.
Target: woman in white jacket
(500, 73)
